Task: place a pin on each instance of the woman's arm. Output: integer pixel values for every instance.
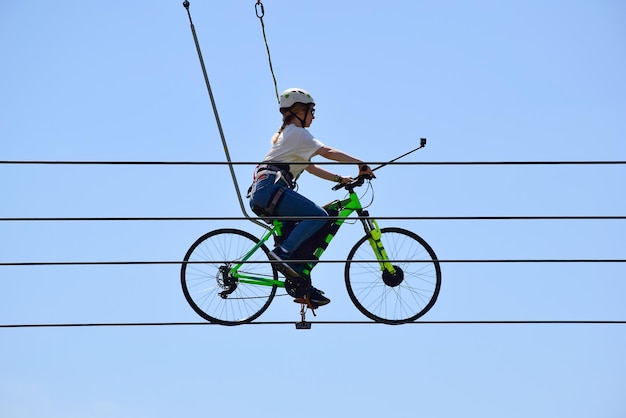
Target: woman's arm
(320, 172)
(338, 155)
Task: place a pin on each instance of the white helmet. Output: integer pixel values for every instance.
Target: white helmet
(292, 96)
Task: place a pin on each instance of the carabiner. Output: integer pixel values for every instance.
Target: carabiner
(262, 9)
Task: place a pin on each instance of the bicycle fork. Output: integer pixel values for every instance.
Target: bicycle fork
(373, 233)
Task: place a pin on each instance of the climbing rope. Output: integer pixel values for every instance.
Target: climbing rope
(260, 13)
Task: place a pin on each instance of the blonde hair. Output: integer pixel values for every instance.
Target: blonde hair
(289, 113)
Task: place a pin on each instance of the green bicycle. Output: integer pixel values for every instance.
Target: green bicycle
(392, 275)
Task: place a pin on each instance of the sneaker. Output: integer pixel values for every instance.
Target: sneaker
(283, 266)
(316, 298)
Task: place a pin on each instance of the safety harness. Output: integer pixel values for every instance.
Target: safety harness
(282, 173)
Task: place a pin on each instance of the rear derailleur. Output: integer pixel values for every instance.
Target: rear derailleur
(226, 281)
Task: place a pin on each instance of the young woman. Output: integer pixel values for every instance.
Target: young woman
(272, 193)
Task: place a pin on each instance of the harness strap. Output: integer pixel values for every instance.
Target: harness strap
(283, 169)
(275, 200)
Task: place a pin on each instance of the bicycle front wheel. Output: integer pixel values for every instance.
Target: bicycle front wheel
(399, 298)
(212, 291)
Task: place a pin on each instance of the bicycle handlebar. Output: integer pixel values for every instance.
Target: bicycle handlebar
(357, 182)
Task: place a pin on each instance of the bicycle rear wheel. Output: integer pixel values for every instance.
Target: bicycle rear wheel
(212, 292)
(399, 298)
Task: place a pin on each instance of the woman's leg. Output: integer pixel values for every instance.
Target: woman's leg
(294, 204)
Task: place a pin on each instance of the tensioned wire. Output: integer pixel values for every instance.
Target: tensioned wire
(426, 261)
(477, 322)
(252, 163)
(240, 218)
(260, 13)
(211, 163)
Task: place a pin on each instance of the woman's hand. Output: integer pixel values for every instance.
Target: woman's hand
(344, 179)
(366, 170)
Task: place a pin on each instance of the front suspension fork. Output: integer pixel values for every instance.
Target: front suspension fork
(374, 234)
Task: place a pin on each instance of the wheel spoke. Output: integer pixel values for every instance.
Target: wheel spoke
(203, 280)
(394, 301)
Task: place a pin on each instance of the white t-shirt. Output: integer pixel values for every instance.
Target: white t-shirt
(294, 144)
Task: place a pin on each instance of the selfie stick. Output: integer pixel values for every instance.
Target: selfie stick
(422, 145)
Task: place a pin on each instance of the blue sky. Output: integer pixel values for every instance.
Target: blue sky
(483, 81)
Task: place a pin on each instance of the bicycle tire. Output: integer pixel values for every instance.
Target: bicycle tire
(394, 299)
(202, 277)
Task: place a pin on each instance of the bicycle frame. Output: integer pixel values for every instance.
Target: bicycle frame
(345, 208)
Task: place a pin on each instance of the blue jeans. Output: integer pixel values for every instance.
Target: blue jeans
(291, 204)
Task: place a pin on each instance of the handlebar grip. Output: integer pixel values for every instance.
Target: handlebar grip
(354, 183)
